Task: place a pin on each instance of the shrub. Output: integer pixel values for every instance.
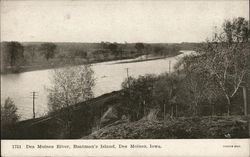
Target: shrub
(9, 112)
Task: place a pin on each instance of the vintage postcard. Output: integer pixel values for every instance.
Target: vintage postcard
(125, 78)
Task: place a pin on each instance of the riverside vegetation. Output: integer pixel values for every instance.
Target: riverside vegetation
(27, 56)
(202, 98)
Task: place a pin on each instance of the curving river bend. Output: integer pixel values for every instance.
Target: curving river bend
(109, 77)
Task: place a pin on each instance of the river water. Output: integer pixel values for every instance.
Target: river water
(109, 76)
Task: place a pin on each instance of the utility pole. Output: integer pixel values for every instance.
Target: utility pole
(127, 72)
(128, 77)
(34, 97)
(128, 88)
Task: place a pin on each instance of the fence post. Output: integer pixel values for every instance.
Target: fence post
(246, 107)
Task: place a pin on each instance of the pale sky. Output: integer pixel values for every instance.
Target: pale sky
(116, 21)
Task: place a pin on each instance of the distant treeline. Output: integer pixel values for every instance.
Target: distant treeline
(26, 56)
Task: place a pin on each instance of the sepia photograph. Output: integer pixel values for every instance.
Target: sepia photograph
(121, 69)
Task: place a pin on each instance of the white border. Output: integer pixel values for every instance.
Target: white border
(190, 147)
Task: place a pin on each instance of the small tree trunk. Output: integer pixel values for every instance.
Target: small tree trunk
(172, 111)
(144, 109)
(196, 109)
(212, 113)
(176, 109)
(228, 105)
(69, 122)
(164, 112)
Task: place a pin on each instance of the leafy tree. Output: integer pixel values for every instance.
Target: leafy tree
(48, 50)
(16, 52)
(70, 85)
(113, 47)
(121, 48)
(5, 59)
(103, 45)
(165, 93)
(138, 95)
(31, 52)
(147, 49)
(12, 55)
(158, 50)
(9, 112)
(172, 50)
(139, 47)
(81, 53)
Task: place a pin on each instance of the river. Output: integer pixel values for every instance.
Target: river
(109, 76)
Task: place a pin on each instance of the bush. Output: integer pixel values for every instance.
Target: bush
(9, 112)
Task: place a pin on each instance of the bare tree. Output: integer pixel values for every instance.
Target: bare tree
(225, 57)
(197, 82)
